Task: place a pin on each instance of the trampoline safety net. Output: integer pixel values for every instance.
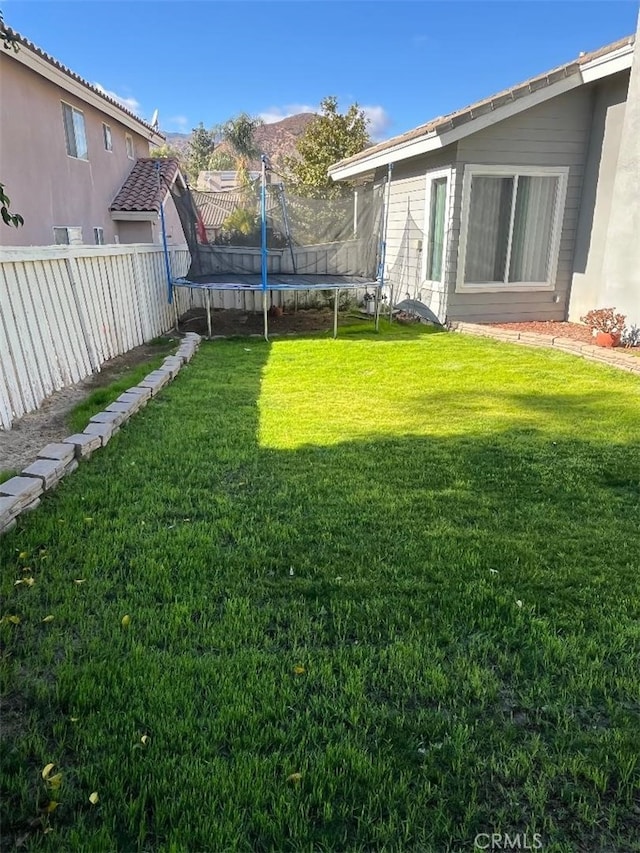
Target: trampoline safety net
(304, 236)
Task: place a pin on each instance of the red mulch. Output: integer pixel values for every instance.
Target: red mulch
(551, 327)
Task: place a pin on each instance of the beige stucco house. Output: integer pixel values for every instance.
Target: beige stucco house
(66, 152)
(523, 206)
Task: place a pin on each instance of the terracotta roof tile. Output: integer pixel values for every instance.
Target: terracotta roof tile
(147, 185)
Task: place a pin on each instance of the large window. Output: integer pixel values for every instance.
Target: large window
(436, 210)
(74, 132)
(511, 222)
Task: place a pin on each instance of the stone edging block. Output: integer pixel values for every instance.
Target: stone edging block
(614, 357)
(57, 460)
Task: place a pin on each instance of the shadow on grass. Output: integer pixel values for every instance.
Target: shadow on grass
(439, 633)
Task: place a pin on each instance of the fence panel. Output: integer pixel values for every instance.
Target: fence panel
(65, 310)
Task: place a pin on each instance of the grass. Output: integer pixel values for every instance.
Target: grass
(96, 401)
(383, 595)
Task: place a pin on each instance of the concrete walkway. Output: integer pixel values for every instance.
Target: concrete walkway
(615, 357)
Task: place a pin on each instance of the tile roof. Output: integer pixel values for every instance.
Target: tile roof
(147, 185)
(215, 207)
(24, 42)
(487, 105)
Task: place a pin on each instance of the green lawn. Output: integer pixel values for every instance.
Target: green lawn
(383, 595)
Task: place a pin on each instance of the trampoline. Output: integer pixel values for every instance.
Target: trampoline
(262, 238)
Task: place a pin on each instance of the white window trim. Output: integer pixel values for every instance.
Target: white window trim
(560, 172)
(431, 177)
(128, 138)
(64, 130)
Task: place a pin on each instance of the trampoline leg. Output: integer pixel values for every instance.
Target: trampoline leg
(377, 309)
(175, 306)
(336, 300)
(209, 312)
(266, 315)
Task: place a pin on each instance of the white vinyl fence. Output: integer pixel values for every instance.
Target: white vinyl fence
(66, 310)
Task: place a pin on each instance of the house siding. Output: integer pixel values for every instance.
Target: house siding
(405, 229)
(47, 186)
(554, 133)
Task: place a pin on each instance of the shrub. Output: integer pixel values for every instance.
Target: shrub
(605, 320)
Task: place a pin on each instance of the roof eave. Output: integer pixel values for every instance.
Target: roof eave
(604, 66)
(83, 90)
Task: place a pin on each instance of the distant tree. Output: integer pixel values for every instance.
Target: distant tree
(329, 137)
(9, 42)
(239, 134)
(221, 160)
(200, 149)
(167, 151)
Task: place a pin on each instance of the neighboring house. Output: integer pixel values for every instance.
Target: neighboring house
(136, 208)
(221, 181)
(216, 207)
(523, 206)
(66, 150)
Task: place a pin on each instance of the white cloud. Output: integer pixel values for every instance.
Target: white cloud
(274, 114)
(178, 124)
(130, 103)
(379, 121)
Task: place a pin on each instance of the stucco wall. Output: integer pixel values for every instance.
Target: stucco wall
(47, 186)
(609, 99)
(622, 254)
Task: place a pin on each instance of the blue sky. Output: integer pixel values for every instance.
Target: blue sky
(404, 62)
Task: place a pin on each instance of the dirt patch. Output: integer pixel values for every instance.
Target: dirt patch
(230, 322)
(558, 329)
(30, 433)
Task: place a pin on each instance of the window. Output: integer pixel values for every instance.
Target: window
(128, 140)
(106, 135)
(437, 205)
(98, 236)
(74, 132)
(511, 222)
(64, 236)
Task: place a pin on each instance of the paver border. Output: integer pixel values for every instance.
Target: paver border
(614, 357)
(59, 459)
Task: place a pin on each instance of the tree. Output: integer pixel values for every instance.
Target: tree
(200, 149)
(167, 151)
(221, 160)
(329, 137)
(239, 135)
(9, 42)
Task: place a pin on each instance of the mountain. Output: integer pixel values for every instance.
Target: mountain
(277, 140)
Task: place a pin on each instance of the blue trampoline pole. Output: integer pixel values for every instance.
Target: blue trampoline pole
(263, 240)
(167, 259)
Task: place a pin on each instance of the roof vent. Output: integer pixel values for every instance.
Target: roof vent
(581, 54)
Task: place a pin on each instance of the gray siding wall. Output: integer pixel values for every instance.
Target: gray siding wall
(555, 133)
(405, 229)
(602, 160)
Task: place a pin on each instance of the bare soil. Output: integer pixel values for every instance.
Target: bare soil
(230, 323)
(19, 446)
(576, 331)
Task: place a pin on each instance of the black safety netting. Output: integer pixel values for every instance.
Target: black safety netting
(330, 236)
